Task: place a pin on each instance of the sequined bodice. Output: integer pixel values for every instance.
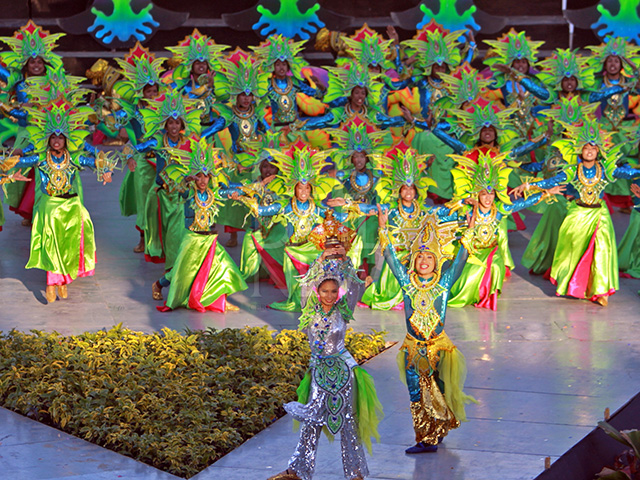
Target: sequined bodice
(326, 332)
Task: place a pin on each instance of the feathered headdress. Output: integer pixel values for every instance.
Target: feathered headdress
(565, 64)
(199, 157)
(198, 47)
(570, 111)
(589, 133)
(343, 80)
(435, 238)
(401, 165)
(31, 41)
(488, 172)
(53, 84)
(483, 113)
(171, 105)
(355, 135)
(241, 73)
(434, 44)
(368, 48)
(300, 164)
(279, 47)
(616, 47)
(58, 118)
(139, 68)
(509, 47)
(465, 84)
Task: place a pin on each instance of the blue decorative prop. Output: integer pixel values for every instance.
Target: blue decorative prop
(626, 23)
(123, 23)
(449, 17)
(289, 20)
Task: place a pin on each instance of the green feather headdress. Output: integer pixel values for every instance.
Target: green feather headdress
(31, 41)
(434, 44)
(343, 80)
(355, 135)
(465, 84)
(565, 63)
(140, 68)
(489, 172)
(198, 47)
(54, 83)
(199, 157)
(241, 73)
(570, 111)
(260, 149)
(509, 47)
(58, 118)
(589, 133)
(483, 113)
(301, 164)
(616, 47)
(401, 165)
(171, 105)
(279, 47)
(368, 48)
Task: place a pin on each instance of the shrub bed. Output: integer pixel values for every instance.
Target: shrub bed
(176, 402)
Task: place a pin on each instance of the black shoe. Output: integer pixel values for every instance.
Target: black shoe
(421, 448)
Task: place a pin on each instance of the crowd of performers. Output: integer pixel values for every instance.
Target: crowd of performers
(401, 147)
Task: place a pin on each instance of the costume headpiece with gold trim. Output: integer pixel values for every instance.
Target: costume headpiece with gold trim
(198, 47)
(565, 63)
(355, 135)
(615, 47)
(401, 165)
(53, 84)
(279, 47)
(464, 84)
(301, 164)
(241, 73)
(139, 68)
(434, 44)
(488, 172)
(368, 48)
(344, 79)
(170, 105)
(435, 238)
(31, 41)
(509, 47)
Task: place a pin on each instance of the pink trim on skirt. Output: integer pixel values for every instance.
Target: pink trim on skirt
(487, 299)
(272, 266)
(64, 279)
(301, 267)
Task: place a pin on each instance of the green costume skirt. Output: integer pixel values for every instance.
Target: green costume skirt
(629, 247)
(481, 280)
(269, 249)
(127, 197)
(135, 188)
(585, 264)
(440, 169)
(62, 239)
(538, 256)
(164, 227)
(385, 293)
(203, 275)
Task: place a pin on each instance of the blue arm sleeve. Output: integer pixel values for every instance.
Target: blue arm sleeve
(87, 161)
(625, 171)
(269, 210)
(535, 88)
(320, 122)
(385, 122)
(218, 125)
(521, 203)
(28, 161)
(397, 268)
(453, 272)
(527, 147)
(605, 93)
(532, 167)
(144, 147)
(458, 146)
(559, 179)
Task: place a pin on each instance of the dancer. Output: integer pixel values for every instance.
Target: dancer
(483, 184)
(336, 395)
(204, 274)
(431, 366)
(585, 263)
(62, 236)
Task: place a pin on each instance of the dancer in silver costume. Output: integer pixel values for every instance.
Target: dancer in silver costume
(327, 395)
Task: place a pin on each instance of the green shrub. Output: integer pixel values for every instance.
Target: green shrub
(177, 402)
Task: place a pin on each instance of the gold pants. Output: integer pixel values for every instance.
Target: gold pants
(432, 419)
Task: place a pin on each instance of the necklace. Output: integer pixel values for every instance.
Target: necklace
(58, 174)
(408, 216)
(422, 284)
(204, 211)
(351, 112)
(360, 192)
(166, 140)
(245, 123)
(590, 187)
(304, 220)
(485, 228)
(423, 294)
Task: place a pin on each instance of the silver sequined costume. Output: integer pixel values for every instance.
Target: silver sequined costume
(330, 402)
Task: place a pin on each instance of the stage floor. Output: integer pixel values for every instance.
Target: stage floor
(543, 368)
